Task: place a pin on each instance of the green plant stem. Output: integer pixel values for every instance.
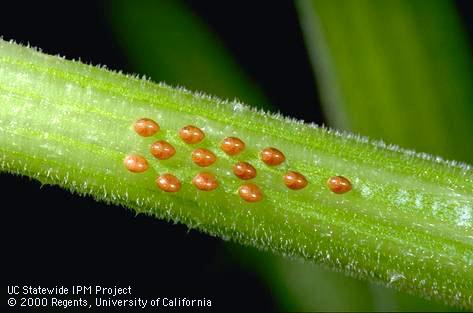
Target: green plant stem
(407, 223)
(406, 63)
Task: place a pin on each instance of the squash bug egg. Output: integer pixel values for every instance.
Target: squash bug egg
(232, 145)
(146, 127)
(295, 180)
(168, 182)
(250, 193)
(162, 150)
(203, 157)
(136, 163)
(272, 156)
(244, 170)
(205, 181)
(191, 134)
(339, 184)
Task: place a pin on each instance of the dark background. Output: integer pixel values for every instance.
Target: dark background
(51, 237)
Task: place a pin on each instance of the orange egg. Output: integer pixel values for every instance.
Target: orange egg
(203, 157)
(191, 134)
(339, 184)
(232, 145)
(295, 180)
(162, 150)
(244, 170)
(136, 163)
(272, 156)
(146, 127)
(250, 193)
(168, 182)
(205, 181)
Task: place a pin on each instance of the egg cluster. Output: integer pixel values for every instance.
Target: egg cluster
(205, 181)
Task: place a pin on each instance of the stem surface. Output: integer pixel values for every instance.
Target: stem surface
(407, 223)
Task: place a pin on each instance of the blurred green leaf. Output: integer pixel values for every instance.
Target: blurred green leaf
(397, 70)
(164, 40)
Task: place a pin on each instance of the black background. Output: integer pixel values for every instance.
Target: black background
(51, 237)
